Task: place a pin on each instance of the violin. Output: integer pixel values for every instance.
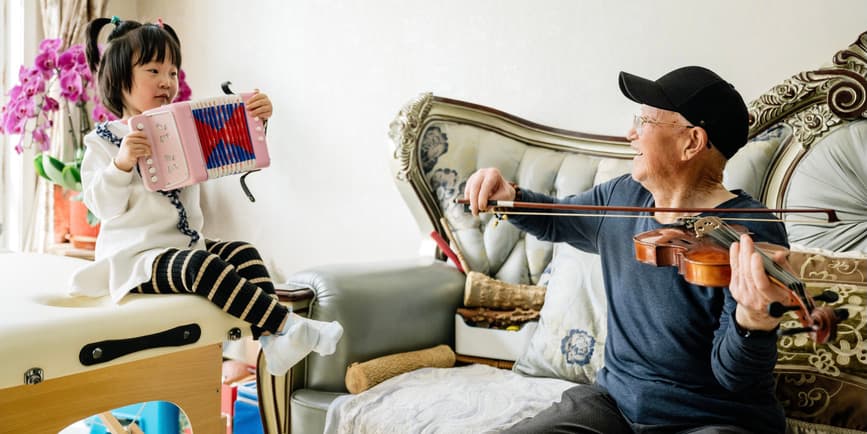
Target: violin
(699, 248)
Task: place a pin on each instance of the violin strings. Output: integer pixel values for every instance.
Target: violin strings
(784, 276)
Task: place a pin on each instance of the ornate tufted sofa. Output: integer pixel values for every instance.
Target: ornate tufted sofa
(808, 148)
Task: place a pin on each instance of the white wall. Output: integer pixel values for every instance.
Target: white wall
(339, 70)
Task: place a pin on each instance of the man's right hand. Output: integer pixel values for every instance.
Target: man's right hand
(133, 146)
(484, 185)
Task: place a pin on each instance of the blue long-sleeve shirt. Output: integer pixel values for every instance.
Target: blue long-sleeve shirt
(673, 354)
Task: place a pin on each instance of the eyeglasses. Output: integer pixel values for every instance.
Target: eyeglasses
(638, 122)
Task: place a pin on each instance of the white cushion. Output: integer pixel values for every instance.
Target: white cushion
(832, 175)
(747, 169)
(467, 399)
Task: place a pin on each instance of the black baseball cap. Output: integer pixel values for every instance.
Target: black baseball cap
(702, 97)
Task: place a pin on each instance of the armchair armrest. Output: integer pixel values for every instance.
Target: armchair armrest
(384, 308)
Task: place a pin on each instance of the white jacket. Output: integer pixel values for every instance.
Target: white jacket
(136, 224)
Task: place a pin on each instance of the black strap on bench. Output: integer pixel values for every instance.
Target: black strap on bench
(105, 351)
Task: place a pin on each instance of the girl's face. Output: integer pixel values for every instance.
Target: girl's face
(153, 84)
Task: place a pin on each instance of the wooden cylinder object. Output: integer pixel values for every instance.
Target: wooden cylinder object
(363, 376)
(483, 291)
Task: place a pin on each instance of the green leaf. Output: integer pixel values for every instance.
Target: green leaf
(53, 169)
(65, 175)
(71, 178)
(37, 164)
(92, 219)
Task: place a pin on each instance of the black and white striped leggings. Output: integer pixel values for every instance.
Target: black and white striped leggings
(231, 274)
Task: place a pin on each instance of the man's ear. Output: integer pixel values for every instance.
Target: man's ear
(696, 141)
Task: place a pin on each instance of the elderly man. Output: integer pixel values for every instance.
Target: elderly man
(679, 358)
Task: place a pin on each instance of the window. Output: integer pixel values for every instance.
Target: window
(6, 39)
(19, 20)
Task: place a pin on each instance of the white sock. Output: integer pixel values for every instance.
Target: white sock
(329, 335)
(298, 337)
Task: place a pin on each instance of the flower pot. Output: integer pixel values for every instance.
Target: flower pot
(61, 214)
(82, 235)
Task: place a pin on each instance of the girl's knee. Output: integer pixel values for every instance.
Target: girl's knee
(199, 259)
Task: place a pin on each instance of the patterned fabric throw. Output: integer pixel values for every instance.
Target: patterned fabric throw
(825, 384)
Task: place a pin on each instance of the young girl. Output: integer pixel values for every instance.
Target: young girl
(150, 242)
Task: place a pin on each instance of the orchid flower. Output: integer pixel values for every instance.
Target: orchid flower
(57, 78)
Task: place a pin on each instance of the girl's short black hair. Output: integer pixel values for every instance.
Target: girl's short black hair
(130, 44)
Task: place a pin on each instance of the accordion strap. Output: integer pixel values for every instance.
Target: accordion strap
(228, 91)
(244, 185)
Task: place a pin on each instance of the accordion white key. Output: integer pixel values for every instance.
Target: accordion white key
(193, 141)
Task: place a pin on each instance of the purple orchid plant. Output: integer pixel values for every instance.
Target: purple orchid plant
(58, 78)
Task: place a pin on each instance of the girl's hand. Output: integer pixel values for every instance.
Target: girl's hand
(259, 105)
(134, 146)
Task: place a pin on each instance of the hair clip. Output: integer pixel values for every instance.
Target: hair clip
(160, 22)
(115, 20)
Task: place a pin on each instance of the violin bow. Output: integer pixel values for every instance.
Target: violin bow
(830, 214)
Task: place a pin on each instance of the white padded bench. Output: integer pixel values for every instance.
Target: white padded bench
(44, 332)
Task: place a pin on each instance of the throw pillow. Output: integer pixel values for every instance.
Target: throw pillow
(827, 384)
(569, 341)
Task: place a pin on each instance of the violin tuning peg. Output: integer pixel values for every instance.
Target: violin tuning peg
(842, 314)
(827, 296)
(777, 309)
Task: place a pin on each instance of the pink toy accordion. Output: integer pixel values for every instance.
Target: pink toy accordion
(193, 141)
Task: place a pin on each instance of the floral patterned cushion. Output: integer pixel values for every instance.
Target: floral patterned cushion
(827, 384)
(569, 342)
